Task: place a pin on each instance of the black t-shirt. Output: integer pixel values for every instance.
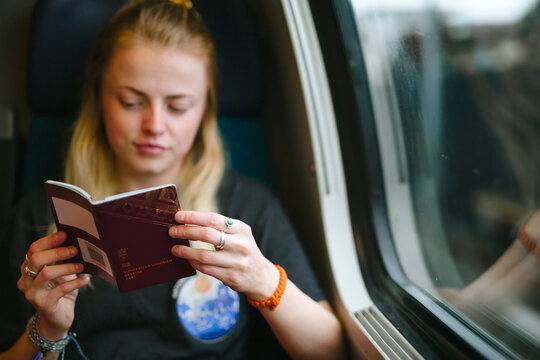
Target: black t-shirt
(144, 324)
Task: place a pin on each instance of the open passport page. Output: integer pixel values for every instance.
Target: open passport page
(123, 238)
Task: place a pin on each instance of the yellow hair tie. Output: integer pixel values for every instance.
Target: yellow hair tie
(186, 3)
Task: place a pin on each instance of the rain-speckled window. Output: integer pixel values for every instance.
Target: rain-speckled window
(455, 88)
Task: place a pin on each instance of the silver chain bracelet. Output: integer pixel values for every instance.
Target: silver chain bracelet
(44, 344)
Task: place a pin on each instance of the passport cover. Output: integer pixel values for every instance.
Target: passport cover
(123, 238)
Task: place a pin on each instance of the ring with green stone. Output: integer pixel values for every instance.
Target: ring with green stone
(228, 224)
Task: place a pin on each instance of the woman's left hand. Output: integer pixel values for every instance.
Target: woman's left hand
(239, 264)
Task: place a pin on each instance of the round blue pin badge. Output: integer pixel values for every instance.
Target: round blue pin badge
(207, 309)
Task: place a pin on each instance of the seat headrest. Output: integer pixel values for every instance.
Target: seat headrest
(62, 32)
(237, 41)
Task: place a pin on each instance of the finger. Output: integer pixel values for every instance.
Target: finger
(28, 272)
(213, 220)
(68, 287)
(212, 270)
(54, 272)
(203, 256)
(196, 233)
(58, 292)
(48, 242)
(27, 277)
(39, 259)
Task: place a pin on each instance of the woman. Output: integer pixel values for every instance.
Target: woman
(149, 118)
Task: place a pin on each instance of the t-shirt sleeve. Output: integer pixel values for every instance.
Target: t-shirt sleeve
(279, 243)
(20, 231)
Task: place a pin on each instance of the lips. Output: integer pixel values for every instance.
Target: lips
(149, 148)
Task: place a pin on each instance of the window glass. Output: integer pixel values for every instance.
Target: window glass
(455, 87)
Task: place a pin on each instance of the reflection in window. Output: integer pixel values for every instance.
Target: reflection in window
(456, 89)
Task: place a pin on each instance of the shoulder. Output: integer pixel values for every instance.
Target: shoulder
(252, 202)
(240, 193)
(249, 200)
(31, 215)
(32, 197)
(28, 221)
(34, 206)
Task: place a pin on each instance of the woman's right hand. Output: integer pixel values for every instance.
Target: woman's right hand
(53, 291)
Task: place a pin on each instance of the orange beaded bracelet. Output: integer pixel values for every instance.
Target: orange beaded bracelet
(274, 301)
(529, 244)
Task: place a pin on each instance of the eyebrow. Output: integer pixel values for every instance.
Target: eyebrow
(172, 97)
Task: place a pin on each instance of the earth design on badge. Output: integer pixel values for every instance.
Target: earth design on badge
(207, 309)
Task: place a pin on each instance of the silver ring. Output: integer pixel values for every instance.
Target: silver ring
(228, 224)
(30, 273)
(221, 243)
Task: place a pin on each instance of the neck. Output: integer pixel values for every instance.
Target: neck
(129, 181)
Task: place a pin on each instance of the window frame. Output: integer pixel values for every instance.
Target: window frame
(431, 326)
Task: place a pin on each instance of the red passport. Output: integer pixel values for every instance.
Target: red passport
(123, 238)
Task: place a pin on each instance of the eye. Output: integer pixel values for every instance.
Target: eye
(177, 109)
(131, 104)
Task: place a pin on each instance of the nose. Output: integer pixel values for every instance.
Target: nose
(154, 121)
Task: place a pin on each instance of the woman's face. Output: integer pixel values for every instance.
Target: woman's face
(153, 100)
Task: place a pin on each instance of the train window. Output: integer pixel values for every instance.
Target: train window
(454, 89)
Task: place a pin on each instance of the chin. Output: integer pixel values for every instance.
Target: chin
(153, 169)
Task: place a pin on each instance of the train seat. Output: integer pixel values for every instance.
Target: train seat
(60, 37)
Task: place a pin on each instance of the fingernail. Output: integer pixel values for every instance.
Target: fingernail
(173, 231)
(175, 249)
(180, 216)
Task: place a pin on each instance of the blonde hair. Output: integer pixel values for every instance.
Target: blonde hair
(90, 162)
